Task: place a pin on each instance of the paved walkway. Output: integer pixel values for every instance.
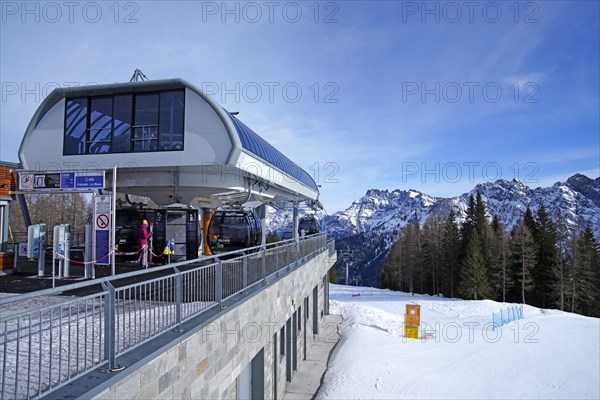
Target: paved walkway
(307, 380)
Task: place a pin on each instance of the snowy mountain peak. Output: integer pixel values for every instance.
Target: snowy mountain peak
(380, 215)
(378, 209)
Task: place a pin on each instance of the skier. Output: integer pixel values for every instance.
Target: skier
(143, 235)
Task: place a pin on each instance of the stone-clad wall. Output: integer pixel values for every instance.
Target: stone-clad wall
(206, 364)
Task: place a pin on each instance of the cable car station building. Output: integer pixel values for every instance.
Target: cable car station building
(174, 143)
(171, 142)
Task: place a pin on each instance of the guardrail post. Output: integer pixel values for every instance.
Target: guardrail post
(245, 272)
(219, 283)
(178, 296)
(264, 266)
(109, 328)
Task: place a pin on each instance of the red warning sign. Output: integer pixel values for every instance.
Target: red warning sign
(102, 221)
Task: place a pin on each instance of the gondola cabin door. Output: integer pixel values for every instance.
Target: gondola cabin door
(181, 227)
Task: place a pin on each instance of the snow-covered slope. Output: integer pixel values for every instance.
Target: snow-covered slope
(547, 355)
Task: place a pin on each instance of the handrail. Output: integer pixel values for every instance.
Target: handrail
(97, 281)
(117, 319)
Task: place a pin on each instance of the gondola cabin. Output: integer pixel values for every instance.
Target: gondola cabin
(233, 230)
(309, 225)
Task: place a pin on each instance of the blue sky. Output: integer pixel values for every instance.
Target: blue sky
(433, 96)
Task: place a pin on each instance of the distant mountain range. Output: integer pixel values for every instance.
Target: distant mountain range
(372, 223)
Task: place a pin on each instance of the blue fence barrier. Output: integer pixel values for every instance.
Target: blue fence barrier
(503, 317)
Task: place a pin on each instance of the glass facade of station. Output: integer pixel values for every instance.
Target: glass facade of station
(124, 123)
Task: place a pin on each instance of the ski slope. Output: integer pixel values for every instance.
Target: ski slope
(548, 354)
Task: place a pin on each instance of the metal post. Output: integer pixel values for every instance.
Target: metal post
(15, 258)
(346, 272)
(263, 224)
(67, 251)
(264, 266)
(54, 269)
(109, 327)
(114, 220)
(42, 253)
(245, 272)
(87, 253)
(178, 299)
(295, 219)
(219, 283)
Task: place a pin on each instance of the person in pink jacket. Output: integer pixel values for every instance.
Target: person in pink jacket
(144, 234)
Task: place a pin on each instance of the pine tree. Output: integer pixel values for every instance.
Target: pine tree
(481, 220)
(499, 261)
(546, 239)
(412, 246)
(391, 273)
(524, 254)
(473, 278)
(431, 252)
(449, 259)
(529, 222)
(560, 268)
(583, 273)
(468, 226)
(559, 282)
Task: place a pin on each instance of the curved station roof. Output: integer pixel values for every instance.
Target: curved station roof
(169, 141)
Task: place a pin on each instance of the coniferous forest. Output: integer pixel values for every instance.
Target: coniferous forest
(539, 262)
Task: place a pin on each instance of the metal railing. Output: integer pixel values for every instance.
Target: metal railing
(47, 340)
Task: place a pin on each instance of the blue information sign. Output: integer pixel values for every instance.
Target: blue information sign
(89, 181)
(67, 180)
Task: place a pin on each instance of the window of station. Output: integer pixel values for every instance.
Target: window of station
(144, 122)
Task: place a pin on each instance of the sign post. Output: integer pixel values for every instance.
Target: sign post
(101, 227)
(412, 319)
(114, 220)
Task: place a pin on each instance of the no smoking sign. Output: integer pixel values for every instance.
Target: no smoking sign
(102, 222)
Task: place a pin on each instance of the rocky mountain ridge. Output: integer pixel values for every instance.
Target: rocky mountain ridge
(376, 219)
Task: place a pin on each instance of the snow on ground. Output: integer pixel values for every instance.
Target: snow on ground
(549, 354)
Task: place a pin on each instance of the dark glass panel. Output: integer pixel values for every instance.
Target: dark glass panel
(171, 121)
(122, 119)
(100, 125)
(146, 123)
(75, 126)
